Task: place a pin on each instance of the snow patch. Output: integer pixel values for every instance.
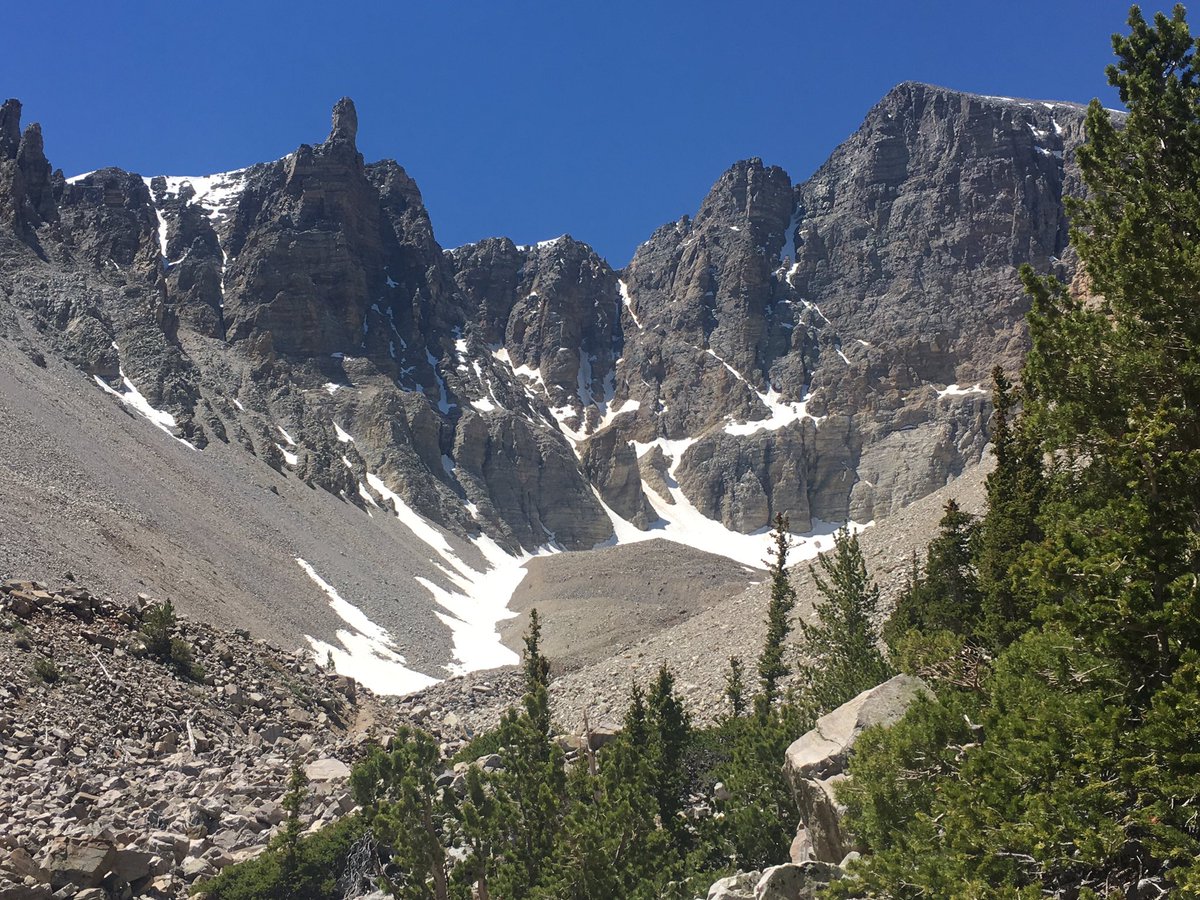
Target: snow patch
(782, 413)
(215, 194)
(368, 653)
(953, 390)
(443, 404)
(680, 522)
(479, 600)
(134, 399)
(628, 301)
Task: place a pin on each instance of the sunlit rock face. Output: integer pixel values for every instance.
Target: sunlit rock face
(818, 349)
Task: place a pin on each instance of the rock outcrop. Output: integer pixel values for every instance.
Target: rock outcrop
(816, 762)
(789, 349)
(817, 349)
(790, 881)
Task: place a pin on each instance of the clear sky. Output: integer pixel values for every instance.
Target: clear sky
(528, 119)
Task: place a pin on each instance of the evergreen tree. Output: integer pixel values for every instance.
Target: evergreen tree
(1114, 376)
(1081, 777)
(537, 667)
(479, 813)
(841, 646)
(637, 726)
(759, 820)
(403, 805)
(946, 593)
(1014, 495)
(771, 666)
(609, 844)
(293, 801)
(532, 788)
(670, 728)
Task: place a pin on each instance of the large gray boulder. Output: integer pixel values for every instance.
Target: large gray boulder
(735, 887)
(83, 863)
(793, 881)
(816, 762)
(790, 881)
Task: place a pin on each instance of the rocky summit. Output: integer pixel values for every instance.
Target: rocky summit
(271, 395)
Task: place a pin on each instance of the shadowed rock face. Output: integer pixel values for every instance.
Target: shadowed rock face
(785, 350)
(307, 249)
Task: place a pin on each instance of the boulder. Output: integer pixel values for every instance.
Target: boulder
(795, 882)
(20, 863)
(596, 737)
(11, 891)
(328, 769)
(83, 863)
(816, 762)
(735, 887)
(802, 848)
(132, 864)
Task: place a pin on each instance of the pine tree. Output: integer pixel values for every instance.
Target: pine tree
(760, 818)
(532, 789)
(403, 805)
(771, 666)
(1081, 778)
(946, 593)
(637, 726)
(1014, 495)
(479, 813)
(1115, 376)
(670, 728)
(841, 646)
(293, 801)
(609, 844)
(537, 667)
(158, 628)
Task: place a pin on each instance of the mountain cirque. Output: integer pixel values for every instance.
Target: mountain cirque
(818, 349)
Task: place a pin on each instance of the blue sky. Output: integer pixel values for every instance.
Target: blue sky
(522, 118)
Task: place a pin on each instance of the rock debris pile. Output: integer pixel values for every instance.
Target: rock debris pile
(120, 777)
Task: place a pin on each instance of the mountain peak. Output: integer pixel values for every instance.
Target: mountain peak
(10, 128)
(345, 122)
(909, 88)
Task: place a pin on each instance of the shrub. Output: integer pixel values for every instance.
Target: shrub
(321, 863)
(46, 670)
(158, 634)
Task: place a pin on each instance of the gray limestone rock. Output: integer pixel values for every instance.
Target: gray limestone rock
(792, 881)
(816, 762)
(735, 887)
(810, 349)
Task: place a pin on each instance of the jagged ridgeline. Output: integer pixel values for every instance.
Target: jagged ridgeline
(818, 349)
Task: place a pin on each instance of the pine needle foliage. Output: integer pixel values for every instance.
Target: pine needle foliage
(841, 646)
(772, 667)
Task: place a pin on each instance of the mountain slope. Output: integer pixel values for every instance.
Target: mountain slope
(268, 390)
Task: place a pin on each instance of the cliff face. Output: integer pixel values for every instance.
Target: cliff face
(910, 234)
(811, 349)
